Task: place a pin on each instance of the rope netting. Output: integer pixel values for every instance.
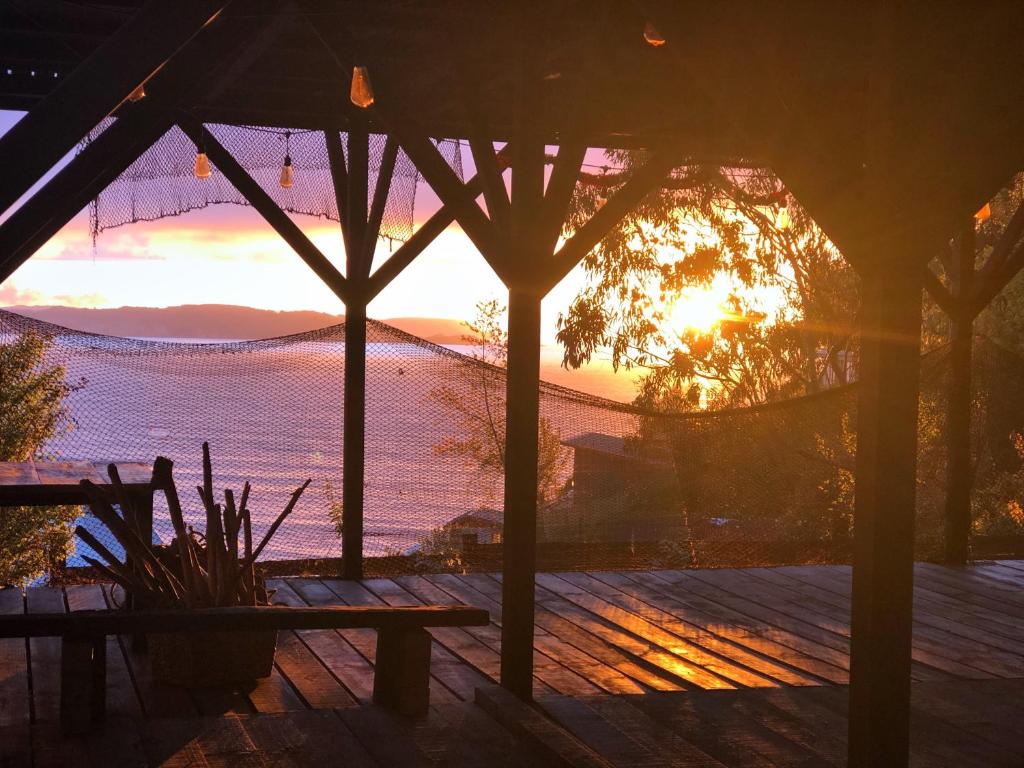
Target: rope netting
(162, 181)
(620, 487)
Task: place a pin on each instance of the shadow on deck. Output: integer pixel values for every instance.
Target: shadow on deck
(667, 668)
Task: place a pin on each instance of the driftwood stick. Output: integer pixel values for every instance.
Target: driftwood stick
(128, 538)
(280, 519)
(163, 478)
(126, 575)
(248, 568)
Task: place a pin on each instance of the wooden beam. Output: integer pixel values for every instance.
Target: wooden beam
(358, 191)
(883, 576)
(354, 440)
(415, 245)
(959, 470)
(43, 215)
(1005, 261)
(339, 174)
(442, 179)
(238, 619)
(380, 200)
(643, 181)
(486, 161)
(939, 293)
(95, 88)
(267, 208)
(561, 187)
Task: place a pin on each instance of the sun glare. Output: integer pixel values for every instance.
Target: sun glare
(699, 309)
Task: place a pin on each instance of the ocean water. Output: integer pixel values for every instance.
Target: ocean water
(272, 413)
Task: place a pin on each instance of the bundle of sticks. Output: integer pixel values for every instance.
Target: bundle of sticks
(197, 570)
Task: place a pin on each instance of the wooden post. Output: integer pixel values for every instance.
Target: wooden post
(354, 458)
(959, 470)
(522, 413)
(883, 575)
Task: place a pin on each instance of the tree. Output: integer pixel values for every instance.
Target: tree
(33, 540)
(707, 225)
(480, 411)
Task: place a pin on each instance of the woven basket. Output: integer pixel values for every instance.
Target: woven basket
(203, 659)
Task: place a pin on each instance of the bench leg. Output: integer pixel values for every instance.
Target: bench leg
(401, 680)
(83, 683)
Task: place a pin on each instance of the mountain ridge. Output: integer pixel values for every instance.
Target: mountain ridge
(221, 321)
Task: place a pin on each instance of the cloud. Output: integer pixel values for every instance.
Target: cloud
(11, 296)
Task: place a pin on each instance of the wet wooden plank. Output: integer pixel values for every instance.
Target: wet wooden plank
(758, 653)
(451, 675)
(332, 650)
(708, 670)
(15, 706)
(627, 669)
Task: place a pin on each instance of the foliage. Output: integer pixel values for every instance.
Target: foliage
(195, 570)
(720, 224)
(481, 410)
(33, 540)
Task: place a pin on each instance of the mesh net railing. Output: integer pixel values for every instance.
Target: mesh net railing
(162, 182)
(620, 487)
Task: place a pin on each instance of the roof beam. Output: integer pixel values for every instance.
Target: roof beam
(267, 208)
(380, 200)
(95, 88)
(44, 214)
(643, 181)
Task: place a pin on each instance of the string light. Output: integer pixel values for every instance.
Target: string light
(287, 176)
(202, 169)
(138, 94)
(361, 93)
(653, 36)
(983, 214)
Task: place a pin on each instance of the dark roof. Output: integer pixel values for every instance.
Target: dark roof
(795, 85)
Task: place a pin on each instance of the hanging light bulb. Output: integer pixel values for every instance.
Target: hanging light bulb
(287, 176)
(361, 93)
(983, 214)
(138, 94)
(653, 36)
(202, 169)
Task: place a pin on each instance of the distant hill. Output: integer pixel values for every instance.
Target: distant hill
(220, 321)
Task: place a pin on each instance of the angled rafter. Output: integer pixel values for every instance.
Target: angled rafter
(1005, 261)
(640, 184)
(490, 171)
(95, 88)
(267, 208)
(380, 200)
(339, 173)
(946, 301)
(71, 189)
(358, 183)
(560, 189)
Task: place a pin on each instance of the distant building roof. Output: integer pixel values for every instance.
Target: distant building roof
(612, 445)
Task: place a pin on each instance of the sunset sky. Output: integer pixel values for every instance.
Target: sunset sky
(229, 255)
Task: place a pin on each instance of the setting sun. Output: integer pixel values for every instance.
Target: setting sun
(699, 309)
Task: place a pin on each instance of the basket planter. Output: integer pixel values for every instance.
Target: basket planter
(203, 659)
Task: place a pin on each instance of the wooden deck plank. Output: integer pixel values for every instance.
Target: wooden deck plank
(836, 660)
(689, 630)
(44, 657)
(122, 696)
(927, 648)
(450, 680)
(936, 633)
(157, 699)
(643, 676)
(332, 650)
(748, 642)
(710, 670)
(15, 705)
(548, 669)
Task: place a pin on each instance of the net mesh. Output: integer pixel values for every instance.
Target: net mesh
(620, 487)
(162, 181)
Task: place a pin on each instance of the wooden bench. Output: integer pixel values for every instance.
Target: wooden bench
(401, 670)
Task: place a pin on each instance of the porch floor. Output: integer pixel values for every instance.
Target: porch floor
(733, 667)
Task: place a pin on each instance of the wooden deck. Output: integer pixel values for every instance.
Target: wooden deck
(637, 668)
